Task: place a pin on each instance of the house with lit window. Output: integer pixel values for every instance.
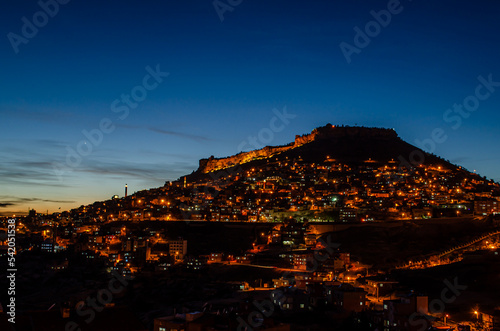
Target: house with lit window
(491, 319)
(291, 299)
(177, 249)
(486, 206)
(346, 298)
(407, 313)
(348, 215)
(47, 246)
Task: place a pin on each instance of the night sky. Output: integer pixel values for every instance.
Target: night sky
(226, 81)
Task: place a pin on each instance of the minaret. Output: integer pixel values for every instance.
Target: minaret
(126, 188)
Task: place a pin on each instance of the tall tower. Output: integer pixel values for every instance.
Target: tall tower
(126, 189)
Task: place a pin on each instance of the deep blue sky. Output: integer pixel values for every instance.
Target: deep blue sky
(225, 79)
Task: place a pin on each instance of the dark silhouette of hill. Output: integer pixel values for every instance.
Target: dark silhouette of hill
(348, 145)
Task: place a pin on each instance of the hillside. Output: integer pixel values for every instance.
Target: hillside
(350, 145)
(334, 174)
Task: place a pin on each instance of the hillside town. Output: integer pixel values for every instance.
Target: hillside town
(285, 260)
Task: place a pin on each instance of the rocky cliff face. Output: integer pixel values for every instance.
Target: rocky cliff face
(213, 164)
(326, 132)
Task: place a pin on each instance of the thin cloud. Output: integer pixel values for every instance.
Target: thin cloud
(7, 201)
(166, 132)
(156, 153)
(157, 172)
(6, 204)
(180, 134)
(24, 172)
(42, 115)
(460, 159)
(128, 126)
